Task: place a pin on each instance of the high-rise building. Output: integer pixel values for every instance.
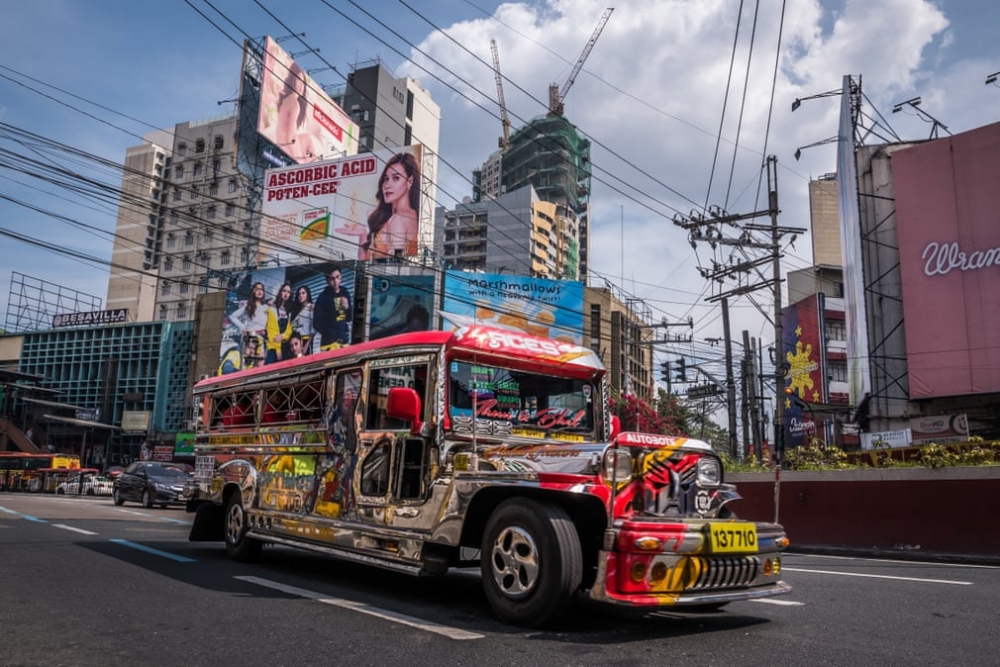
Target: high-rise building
(824, 218)
(135, 259)
(514, 233)
(552, 156)
(183, 221)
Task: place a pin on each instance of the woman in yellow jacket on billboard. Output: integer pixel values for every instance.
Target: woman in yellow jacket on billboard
(279, 324)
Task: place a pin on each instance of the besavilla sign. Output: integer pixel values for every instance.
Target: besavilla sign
(89, 319)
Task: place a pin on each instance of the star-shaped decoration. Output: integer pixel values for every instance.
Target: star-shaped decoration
(798, 331)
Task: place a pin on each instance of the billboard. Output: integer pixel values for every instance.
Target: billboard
(537, 306)
(949, 258)
(296, 115)
(398, 304)
(855, 309)
(363, 207)
(279, 313)
(802, 351)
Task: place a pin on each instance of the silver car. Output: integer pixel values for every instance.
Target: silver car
(150, 483)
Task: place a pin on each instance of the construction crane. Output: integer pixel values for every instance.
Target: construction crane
(557, 95)
(504, 118)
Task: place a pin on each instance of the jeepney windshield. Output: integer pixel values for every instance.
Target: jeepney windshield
(511, 402)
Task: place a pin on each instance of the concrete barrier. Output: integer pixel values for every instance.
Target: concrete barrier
(917, 511)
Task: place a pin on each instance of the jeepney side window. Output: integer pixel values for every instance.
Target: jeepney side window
(233, 410)
(295, 403)
(343, 425)
(380, 380)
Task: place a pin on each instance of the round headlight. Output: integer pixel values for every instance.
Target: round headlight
(709, 472)
(617, 465)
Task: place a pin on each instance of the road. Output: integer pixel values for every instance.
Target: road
(83, 582)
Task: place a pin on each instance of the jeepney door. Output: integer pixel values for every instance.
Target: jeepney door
(394, 466)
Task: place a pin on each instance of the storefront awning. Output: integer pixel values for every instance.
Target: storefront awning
(80, 422)
(53, 404)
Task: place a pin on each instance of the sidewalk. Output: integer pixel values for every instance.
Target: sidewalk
(896, 554)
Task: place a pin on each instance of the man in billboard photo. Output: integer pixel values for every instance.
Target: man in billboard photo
(393, 223)
(332, 314)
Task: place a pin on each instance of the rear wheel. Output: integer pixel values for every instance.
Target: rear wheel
(238, 545)
(532, 562)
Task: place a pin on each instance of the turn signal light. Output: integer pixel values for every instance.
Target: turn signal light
(648, 543)
(768, 568)
(638, 571)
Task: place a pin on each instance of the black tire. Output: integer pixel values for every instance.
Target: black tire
(532, 562)
(60, 492)
(239, 547)
(147, 500)
(116, 496)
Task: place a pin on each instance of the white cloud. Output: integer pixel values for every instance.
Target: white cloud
(652, 92)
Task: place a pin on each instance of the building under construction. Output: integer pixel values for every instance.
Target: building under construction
(552, 156)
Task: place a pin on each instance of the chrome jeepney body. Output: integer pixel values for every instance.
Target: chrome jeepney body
(418, 451)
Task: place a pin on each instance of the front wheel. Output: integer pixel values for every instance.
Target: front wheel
(239, 547)
(116, 496)
(532, 562)
(147, 500)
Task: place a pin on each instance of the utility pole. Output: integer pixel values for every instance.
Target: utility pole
(709, 228)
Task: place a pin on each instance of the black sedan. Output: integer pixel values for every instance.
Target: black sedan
(150, 483)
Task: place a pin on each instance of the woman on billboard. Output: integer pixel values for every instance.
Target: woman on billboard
(292, 125)
(393, 223)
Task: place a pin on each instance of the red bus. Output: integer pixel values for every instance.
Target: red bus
(26, 472)
(484, 446)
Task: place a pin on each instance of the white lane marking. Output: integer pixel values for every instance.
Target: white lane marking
(132, 512)
(923, 563)
(155, 552)
(781, 603)
(451, 633)
(173, 520)
(75, 530)
(27, 517)
(879, 576)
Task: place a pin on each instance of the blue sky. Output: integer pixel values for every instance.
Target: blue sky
(650, 96)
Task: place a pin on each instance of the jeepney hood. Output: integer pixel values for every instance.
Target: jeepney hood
(653, 475)
(586, 458)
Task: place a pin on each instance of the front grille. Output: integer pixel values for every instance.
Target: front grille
(723, 572)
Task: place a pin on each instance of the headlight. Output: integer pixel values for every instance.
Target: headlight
(617, 465)
(162, 487)
(709, 472)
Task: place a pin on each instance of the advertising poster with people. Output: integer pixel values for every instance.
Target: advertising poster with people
(537, 306)
(802, 353)
(282, 313)
(296, 115)
(400, 304)
(363, 207)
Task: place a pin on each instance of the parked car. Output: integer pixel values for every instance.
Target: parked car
(150, 483)
(92, 486)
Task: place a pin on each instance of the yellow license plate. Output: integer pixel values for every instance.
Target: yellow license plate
(728, 537)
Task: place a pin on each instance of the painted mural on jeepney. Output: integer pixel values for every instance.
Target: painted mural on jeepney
(544, 458)
(666, 483)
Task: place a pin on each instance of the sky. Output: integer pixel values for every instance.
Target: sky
(682, 99)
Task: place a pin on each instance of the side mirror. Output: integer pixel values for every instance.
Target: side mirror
(404, 403)
(616, 427)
